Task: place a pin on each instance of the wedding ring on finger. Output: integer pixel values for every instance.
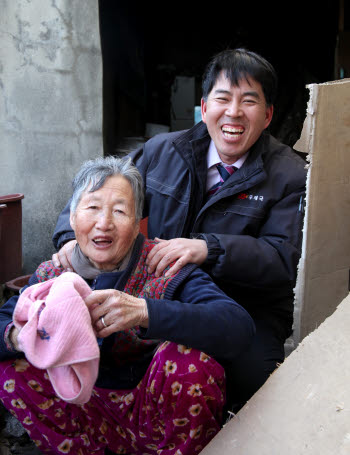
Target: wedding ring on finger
(103, 322)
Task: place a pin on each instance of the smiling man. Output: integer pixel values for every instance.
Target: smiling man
(235, 116)
(228, 196)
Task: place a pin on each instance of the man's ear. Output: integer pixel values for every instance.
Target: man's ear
(203, 110)
(269, 114)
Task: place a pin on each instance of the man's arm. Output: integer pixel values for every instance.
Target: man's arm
(63, 230)
(270, 259)
(139, 158)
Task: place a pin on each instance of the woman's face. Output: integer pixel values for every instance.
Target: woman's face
(104, 223)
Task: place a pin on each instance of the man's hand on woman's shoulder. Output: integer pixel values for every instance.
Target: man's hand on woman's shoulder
(181, 250)
(63, 256)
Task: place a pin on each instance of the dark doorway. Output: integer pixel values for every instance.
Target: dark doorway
(145, 48)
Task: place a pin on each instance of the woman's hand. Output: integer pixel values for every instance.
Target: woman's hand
(120, 311)
(13, 335)
(181, 250)
(63, 256)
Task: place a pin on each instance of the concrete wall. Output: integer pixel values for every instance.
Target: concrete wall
(50, 108)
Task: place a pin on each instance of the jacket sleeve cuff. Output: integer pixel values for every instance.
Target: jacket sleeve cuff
(10, 347)
(213, 245)
(152, 306)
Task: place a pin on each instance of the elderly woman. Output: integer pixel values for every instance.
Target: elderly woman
(111, 356)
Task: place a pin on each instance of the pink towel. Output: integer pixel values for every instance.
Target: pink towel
(56, 334)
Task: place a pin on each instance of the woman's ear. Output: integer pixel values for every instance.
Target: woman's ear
(137, 229)
(72, 220)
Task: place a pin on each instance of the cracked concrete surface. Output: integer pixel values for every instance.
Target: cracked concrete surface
(50, 108)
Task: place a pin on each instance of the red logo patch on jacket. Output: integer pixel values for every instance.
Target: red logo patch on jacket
(242, 196)
(254, 197)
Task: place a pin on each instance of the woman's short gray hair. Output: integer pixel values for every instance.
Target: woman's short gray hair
(93, 174)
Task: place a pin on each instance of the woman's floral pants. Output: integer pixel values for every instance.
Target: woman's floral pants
(176, 409)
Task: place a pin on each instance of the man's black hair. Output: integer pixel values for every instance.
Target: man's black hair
(241, 64)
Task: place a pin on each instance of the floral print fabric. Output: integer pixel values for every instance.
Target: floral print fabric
(176, 409)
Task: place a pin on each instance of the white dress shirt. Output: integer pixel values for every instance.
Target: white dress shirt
(213, 159)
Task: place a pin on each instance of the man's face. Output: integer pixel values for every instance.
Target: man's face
(235, 116)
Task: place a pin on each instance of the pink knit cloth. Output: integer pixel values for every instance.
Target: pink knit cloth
(56, 334)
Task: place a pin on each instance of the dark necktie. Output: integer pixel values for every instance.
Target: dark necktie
(225, 172)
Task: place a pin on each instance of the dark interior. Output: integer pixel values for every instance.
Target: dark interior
(144, 47)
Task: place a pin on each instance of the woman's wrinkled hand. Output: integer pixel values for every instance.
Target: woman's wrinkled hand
(120, 311)
(63, 256)
(181, 250)
(14, 332)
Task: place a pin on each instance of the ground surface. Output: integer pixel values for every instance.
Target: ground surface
(13, 438)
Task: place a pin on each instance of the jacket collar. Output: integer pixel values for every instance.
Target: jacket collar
(196, 141)
(257, 152)
(193, 141)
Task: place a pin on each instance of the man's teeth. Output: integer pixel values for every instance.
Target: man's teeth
(102, 241)
(232, 131)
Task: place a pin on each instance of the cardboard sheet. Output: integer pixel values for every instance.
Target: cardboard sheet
(323, 279)
(304, 407)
